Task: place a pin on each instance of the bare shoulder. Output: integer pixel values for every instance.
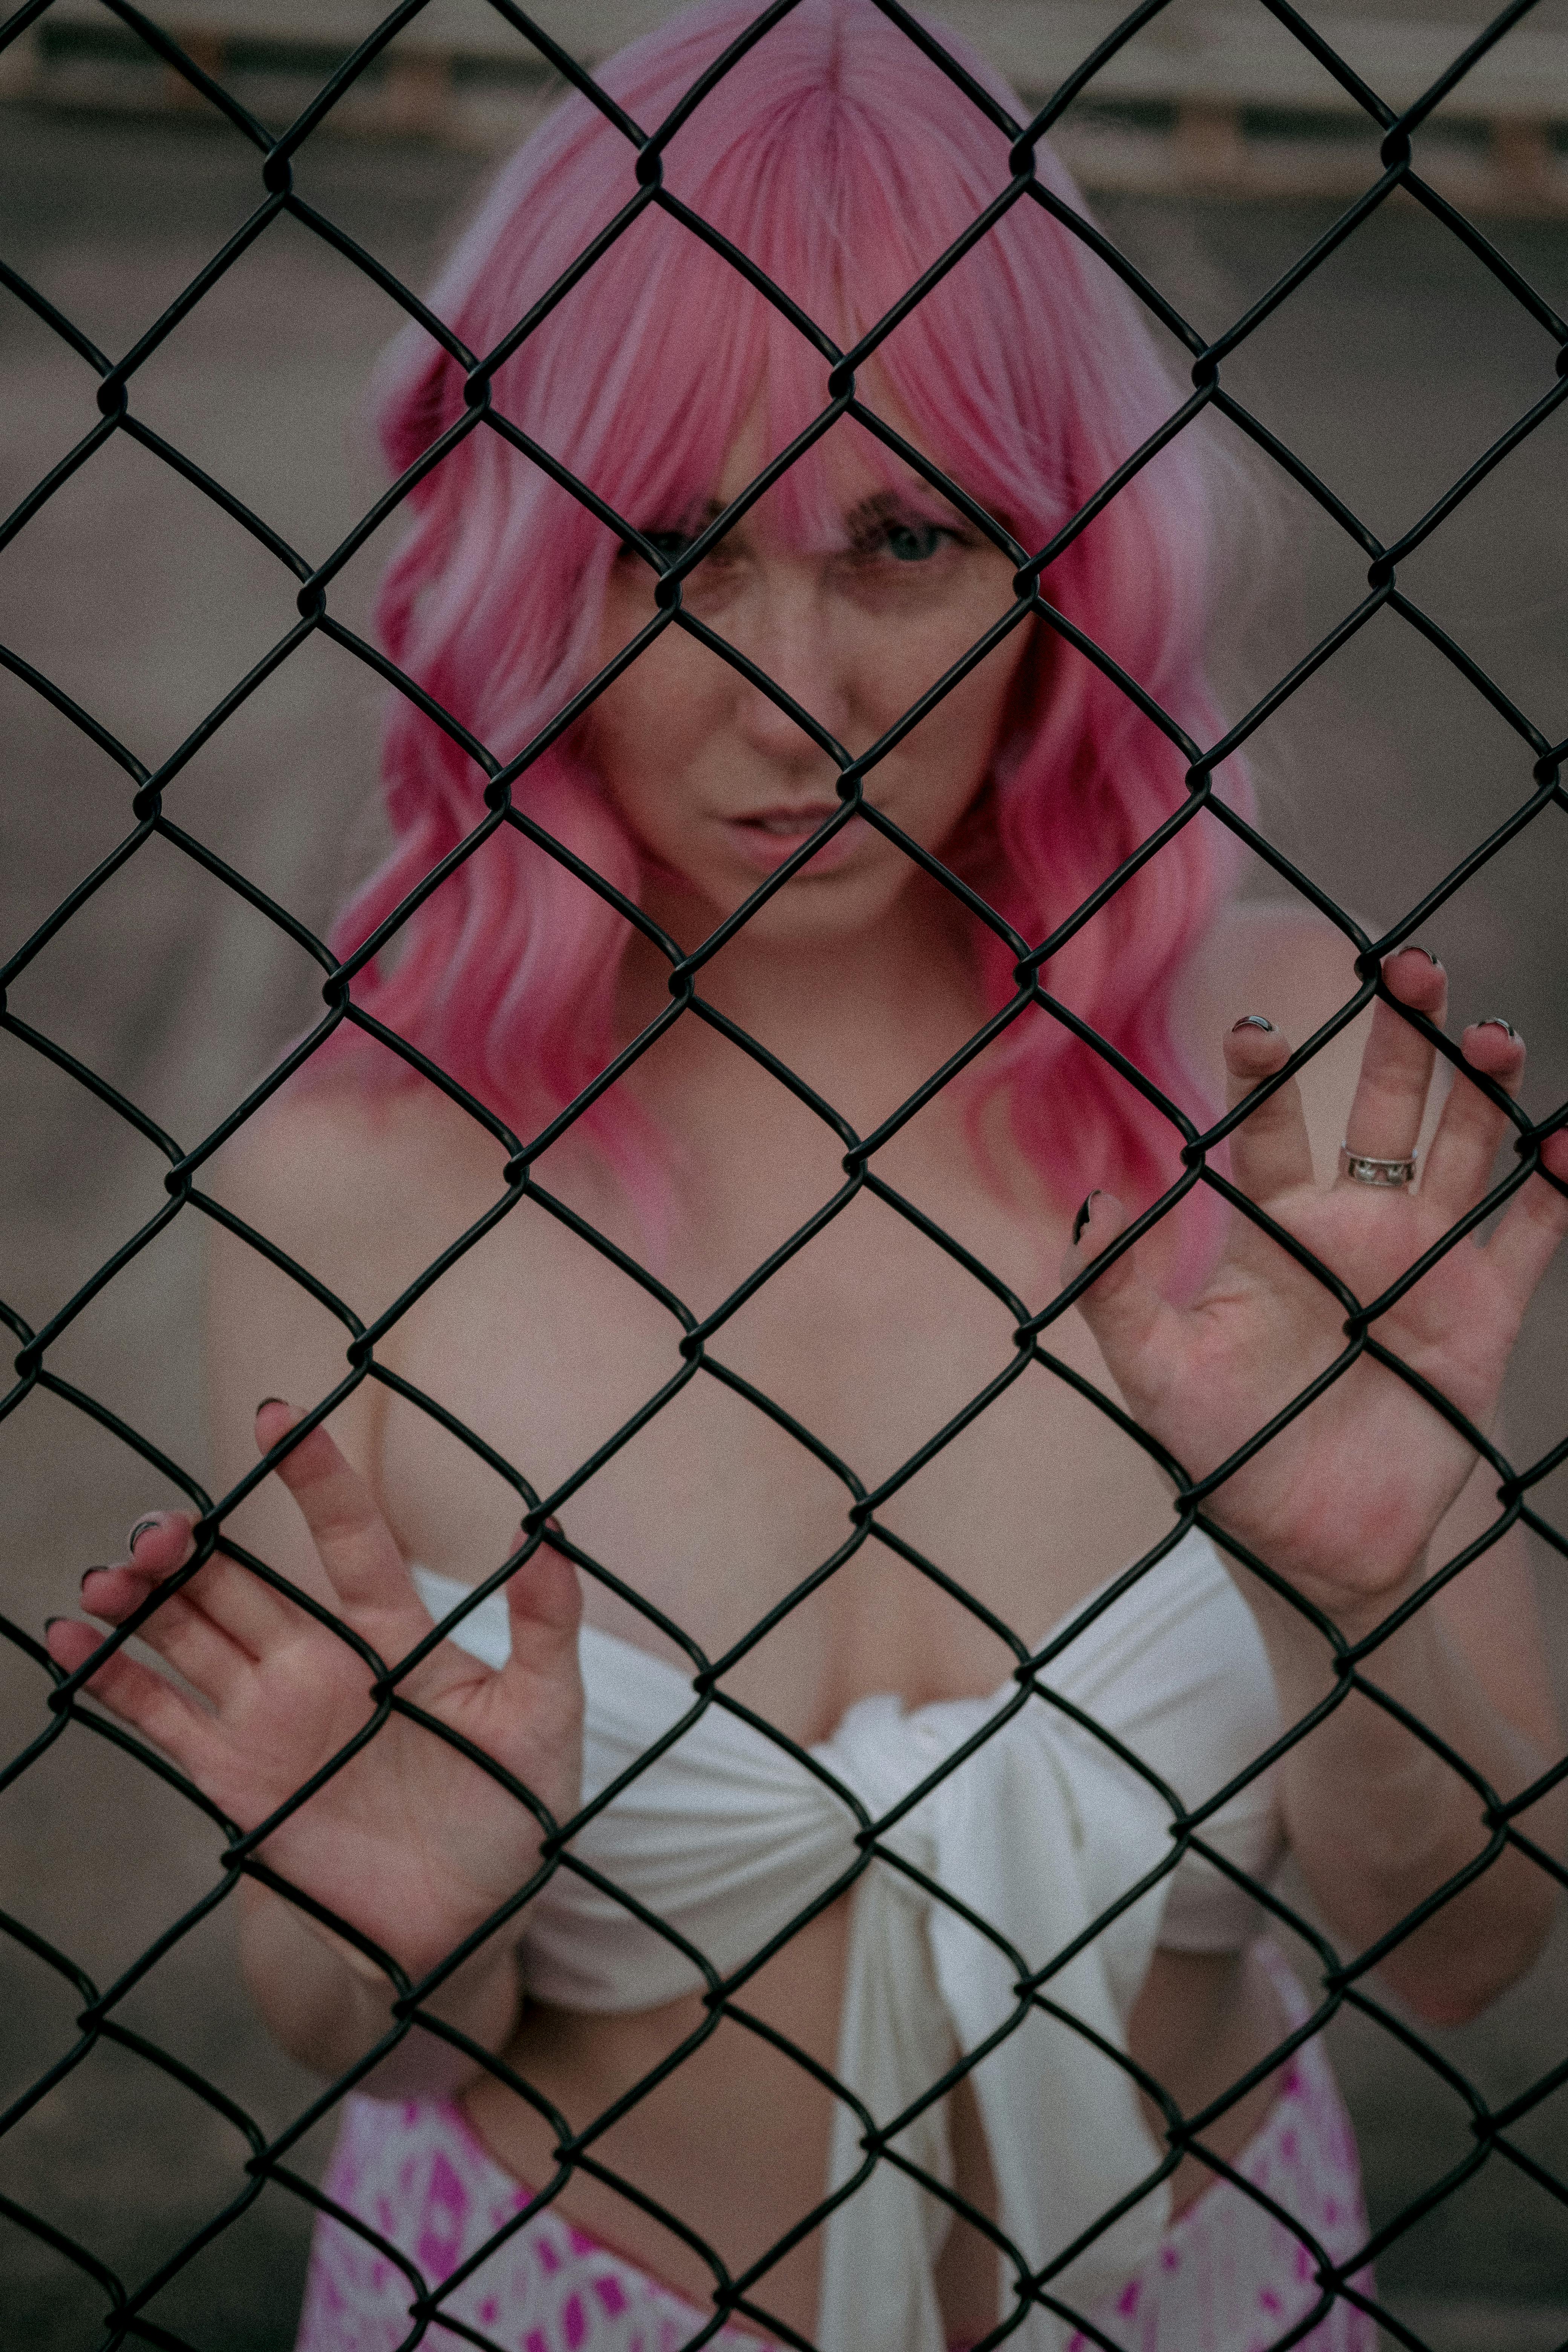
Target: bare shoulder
(1295, 967)
(360, 1188)
(357, 1193)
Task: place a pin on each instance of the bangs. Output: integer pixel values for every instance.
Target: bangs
(641, 378)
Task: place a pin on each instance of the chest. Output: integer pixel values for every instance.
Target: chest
(726, 1482)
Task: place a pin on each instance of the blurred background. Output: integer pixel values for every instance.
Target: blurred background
(1215, 150)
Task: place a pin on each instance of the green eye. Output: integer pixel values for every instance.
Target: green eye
(912, 543)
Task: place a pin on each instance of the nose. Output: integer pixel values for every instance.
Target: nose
(786, 630)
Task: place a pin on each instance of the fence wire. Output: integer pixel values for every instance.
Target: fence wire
(1344, 1980)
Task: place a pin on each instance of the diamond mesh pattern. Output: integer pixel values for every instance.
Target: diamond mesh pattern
(1344, 1978)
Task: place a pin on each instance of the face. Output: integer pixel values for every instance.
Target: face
(718, 785)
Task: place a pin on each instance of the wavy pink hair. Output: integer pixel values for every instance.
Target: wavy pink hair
(842, 162)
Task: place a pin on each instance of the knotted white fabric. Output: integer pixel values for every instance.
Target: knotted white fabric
(726, 1836)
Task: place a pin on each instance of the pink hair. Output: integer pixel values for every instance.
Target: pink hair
(842, 162)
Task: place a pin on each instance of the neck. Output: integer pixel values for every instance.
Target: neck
(864, 1018)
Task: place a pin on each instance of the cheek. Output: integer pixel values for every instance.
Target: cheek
(948, 752)
(902, 651)
(645, 729)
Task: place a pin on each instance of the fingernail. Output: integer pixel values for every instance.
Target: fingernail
(49, 1622)
(137, 1532)
(266, 1400)
(1412, 947)
(1496, 1020)
(1081, 1219)
(100, 1571)
(1252, 1021)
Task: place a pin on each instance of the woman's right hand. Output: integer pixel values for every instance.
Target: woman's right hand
(408, 1842)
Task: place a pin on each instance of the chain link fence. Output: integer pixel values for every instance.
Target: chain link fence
(1342, 1981)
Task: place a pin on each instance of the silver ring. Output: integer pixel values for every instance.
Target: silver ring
(1388, 1175)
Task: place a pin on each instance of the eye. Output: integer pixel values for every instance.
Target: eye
(912, 543)
(669, 544)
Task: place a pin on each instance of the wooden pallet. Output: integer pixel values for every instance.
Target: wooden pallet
(1217, 99)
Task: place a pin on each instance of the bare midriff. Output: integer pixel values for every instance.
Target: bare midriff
(735, 2141)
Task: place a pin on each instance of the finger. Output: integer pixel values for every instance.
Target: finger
(1459, 1162)
(545, 1607)
(355, 1545)
(1269, 1151)
(1396, 1067)
(112, 1593)
(179, 1629)
(1532, 1226)
(248, 1608)
(147, 1701)
(1122, 1309)
(250, 1613)
(160, 1544)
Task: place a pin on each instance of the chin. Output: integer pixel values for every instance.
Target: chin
(834, 909)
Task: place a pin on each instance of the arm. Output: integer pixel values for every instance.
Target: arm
(1414, 1822)
(408, 1843)
(1348, 1501)
(326, 2004)
(1471, 1665)
(322, 1999)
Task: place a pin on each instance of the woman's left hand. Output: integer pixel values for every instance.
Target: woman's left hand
(1344, 1499)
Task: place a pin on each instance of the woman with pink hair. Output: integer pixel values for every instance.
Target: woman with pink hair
(828, 1849)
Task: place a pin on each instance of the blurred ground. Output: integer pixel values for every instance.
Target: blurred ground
(1390, 372)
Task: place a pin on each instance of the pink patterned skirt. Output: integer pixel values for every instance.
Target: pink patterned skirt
(1227, 2276)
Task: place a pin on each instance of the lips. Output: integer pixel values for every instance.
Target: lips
(793, 821)
(767, 836)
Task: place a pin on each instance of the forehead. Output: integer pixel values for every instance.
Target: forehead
(844, 476)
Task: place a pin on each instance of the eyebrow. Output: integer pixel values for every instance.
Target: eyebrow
(698, 518)
(881, 506)
(897, 506)
(861, 522)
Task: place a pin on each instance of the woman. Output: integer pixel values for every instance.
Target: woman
(1021, 1914)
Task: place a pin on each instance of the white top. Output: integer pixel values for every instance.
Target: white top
(726, 1835)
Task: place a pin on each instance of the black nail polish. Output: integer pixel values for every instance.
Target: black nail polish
(1496, 1020)
(1081, 1219)
(137, 1532)
(98, 1570)
(266, 1400)
(1252, 1021)
(48, 1622)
